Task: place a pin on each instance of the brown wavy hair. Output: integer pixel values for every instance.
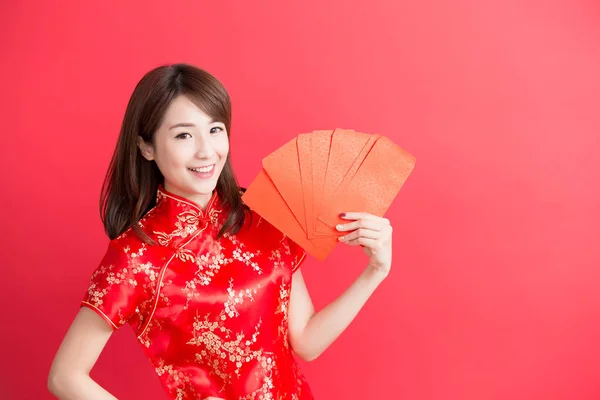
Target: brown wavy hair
(131, 182)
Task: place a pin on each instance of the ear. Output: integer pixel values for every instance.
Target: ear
(146, 149)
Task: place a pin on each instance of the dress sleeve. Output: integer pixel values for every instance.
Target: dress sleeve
(113, 292)
(298, 255)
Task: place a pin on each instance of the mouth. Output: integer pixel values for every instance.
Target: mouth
(203, 170)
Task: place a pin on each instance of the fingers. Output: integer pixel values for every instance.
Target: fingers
(361, 223)
(362, 220)
(364, 216)
(363, 241)
(365, 229)
(360, 232)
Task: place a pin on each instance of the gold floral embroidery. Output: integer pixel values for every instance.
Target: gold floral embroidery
(153, 326)
(209, 265)
(187, 223)
(233, 239)
(265, 392)
(137, 254)
(213, 215)
(284, 242)
(276, 258)
(246, 258)
(112, 277)
(178, 382)
(148, 269)
(218, 352)
(282, 308)
(185, 255)
(276, 254)
(234, 299)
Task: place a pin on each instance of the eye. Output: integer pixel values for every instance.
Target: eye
(182, 135)
(216, 129)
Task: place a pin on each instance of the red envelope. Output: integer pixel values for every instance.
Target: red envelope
(346, 146)
(375, 184)
(264, 198)
(283, 169)
(320, 144)
(305, 160)
(306, 183)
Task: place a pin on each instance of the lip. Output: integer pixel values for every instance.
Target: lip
(203, 166)
(203, 175)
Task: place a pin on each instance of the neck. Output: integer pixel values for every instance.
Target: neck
(200, 200)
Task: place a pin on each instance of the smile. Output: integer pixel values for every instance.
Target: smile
(203, 170)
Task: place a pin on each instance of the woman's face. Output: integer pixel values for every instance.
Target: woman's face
(190, 149)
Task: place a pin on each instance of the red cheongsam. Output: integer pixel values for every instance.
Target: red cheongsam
(211, 315)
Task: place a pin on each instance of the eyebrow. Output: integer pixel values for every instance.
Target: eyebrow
(189, 124)
(183, 125)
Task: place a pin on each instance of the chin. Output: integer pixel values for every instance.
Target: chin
(209, 185)
(204, 189)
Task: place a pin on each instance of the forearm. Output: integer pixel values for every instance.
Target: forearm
(77, 387)
(325, 326)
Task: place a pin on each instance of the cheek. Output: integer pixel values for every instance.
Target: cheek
(172, 156)
(222, 149)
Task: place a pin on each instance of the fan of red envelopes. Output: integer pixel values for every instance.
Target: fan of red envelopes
(305, 184)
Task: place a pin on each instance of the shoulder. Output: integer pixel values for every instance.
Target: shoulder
(117, 257)
(117, 285)
(126, 244)
(129, 252)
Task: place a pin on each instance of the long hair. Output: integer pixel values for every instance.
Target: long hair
(131, 183)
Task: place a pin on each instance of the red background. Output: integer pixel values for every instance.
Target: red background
(494, 287)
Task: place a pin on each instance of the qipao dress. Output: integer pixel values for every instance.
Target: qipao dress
(210, 314)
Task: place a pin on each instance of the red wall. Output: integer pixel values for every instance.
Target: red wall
(494, 288)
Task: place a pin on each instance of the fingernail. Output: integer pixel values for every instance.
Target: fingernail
(341, 238)
(338, 227)
(342, 215)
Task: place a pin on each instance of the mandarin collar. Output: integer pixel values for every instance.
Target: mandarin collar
(175, 220)
(178, 204)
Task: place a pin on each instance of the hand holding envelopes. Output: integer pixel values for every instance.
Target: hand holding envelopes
(306, 183)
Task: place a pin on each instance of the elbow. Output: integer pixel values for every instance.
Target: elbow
(305, 348)
(307, 355)
(58, 383)
(54, 383)
(310, 357)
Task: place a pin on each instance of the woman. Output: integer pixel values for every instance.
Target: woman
(212, 290)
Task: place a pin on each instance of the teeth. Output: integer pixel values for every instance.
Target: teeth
(203, 169)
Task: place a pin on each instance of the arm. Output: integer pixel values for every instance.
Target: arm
(69, 377)
(311, 333)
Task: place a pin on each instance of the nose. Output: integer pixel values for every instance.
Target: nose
(204, 148)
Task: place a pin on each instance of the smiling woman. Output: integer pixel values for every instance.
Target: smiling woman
(213, 292)
(180, 117)
(190, 155)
